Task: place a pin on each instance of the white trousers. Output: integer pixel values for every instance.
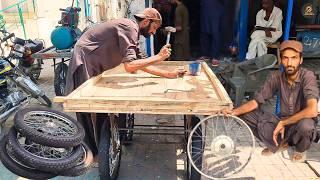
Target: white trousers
(258, 44)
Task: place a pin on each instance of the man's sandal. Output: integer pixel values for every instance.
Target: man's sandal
(268, 152)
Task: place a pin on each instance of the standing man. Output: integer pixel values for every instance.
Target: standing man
(106, 46)
(268, 29)
(181, 48)
(210, 27)
(296, 124)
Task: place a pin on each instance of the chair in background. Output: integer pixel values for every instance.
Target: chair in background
(249, 76)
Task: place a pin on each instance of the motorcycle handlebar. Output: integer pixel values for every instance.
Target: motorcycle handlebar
(8, 37)
(75, 8)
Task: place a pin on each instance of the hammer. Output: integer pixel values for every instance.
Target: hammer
(170, 30)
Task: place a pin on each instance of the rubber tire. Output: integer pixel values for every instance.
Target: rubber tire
(82, 168)
(29, 159)
(104, 146)
(60, 76)
(193, 174)
(40, 138)
(19, 169)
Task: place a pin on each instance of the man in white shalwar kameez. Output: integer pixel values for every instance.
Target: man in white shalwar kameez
(268, 29)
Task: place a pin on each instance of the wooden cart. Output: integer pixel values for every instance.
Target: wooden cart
(116, 91)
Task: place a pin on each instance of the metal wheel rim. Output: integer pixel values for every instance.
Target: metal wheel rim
(45, 152)
(51, 124)
(205, 138)
(11, 155)
(114, 149)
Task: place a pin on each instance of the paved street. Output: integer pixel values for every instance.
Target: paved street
(167, 161)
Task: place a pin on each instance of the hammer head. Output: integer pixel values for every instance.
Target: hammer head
(170, 29)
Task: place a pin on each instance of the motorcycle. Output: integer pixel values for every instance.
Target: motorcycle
(21, 50)
(16, 88)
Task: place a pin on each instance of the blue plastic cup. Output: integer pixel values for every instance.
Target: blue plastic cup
(194, 68)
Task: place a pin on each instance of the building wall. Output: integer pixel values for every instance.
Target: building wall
(48, 15)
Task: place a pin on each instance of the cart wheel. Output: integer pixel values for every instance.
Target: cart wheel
(109, 151)
(192, 173)
(227, 144)
(60, 75)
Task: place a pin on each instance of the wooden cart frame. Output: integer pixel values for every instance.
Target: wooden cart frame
(115, 91)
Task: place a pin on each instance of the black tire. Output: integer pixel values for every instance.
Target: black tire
(41, 136)
(84, 164)
(104, 145)
(60, 76)
(44, 100)
(192, 173)
(17, 167)
(44, 164)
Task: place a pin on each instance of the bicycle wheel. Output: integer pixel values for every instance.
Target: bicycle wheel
(227, 146)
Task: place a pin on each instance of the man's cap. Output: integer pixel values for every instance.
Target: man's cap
(292, 44)
(150, 13)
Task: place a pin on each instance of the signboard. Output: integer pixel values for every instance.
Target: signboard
(311, 42)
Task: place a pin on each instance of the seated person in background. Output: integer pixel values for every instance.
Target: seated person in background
(296, 124)
(268, 29)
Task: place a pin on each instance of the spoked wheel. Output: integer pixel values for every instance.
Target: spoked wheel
(60, 75)
(193, 174)
(227, 144)
(41, 157)
(49, 127)
(15, 166)
(109, 151)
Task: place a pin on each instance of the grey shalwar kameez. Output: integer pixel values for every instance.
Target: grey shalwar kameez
(293, 98)
(100, 48)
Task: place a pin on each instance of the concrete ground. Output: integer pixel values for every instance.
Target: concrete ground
(167, 161)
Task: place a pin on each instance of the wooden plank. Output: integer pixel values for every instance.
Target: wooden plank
(216, 84)
(116, 91)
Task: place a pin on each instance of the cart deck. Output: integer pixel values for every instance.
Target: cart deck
(116, 91)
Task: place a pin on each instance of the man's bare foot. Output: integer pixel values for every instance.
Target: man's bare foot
(95, 162)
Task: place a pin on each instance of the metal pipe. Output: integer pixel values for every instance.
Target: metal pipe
(243, 28)
(288, 20)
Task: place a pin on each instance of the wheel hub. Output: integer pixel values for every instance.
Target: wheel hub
(222, 145)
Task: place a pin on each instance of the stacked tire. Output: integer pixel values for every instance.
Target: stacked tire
(44, 143)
